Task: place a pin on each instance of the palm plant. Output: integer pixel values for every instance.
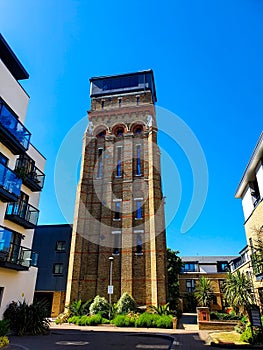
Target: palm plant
(237, 291)
(160, 309)
(204, 291)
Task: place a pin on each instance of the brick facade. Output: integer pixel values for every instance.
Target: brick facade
(119, 134)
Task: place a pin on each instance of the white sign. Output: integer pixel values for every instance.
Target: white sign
(110, 289)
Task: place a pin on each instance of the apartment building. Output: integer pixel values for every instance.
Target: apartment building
(194, 267)
(250, 191)
(52, 242)
(21, 181)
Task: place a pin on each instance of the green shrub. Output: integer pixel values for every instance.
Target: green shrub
(3, 341)
(63, 317)
(4, 327)
(73, 319)
(87, 320)
(99, 306)
(153, 320)
(222, 316)
(27, 319)
(123, 321)
(79, 308)
(164, 321)
(247, 337)
(126, 304)
(241, 326)
(145, 320)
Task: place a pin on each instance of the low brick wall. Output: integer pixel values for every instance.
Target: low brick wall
(217, 325)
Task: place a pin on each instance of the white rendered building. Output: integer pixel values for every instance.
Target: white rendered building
(21, 181)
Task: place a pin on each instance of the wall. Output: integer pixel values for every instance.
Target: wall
(10, 280)
(12, 93)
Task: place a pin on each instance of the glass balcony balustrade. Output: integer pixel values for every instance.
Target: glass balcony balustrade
(15, 256)
(10, 184)
(14, 135)
(22, 213)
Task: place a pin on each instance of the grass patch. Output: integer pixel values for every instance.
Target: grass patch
(226, 338)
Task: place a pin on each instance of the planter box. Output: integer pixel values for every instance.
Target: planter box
(217, 325)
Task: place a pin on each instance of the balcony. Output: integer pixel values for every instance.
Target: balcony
(10, 185)
(12, 133)
(31, 176)
(14, 256)
(257, 264)
(22, 214)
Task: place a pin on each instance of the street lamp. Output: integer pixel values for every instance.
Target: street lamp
(110, 287)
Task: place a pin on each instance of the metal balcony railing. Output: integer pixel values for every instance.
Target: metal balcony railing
(22, 213)
(29, 173)
(10, 184)
(14, 135)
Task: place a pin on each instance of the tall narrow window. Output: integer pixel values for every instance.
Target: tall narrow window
(137, 100)
(102, 104)
(138, 213)
(119, 150)
(139, 243)
(1, 294)
(120, 102)
(117, 242)
(138, 159)
(190, 286)
(117, 214)
(99, 173)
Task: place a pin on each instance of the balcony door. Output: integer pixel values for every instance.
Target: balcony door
(22, 205)
(15, 247)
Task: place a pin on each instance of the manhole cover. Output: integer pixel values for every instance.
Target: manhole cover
(71, 342)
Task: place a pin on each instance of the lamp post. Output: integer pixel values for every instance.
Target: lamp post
(110, 287)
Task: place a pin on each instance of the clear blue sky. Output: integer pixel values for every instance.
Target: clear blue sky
(207, 59)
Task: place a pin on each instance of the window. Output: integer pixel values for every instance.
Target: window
(102, 104)
(190, 286)
(117, 242)
(119, 151)
(138, 212)
(120, 102)
(58, 269)
(119, 132)
(222, 266)
(101, 134)
(100, 163)
(3, 159)
(138, 130)
(255, 192)
(1, 294)
(139, 243)
(61, 246)
(138, 160)
(214, 299)
(137, 100)
(117, 213)
(190, 267)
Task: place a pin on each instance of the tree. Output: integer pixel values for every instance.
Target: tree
(203, 291)
(237, 291)
(174, 266)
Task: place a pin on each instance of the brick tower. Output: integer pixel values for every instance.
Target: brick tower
(119, 203)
